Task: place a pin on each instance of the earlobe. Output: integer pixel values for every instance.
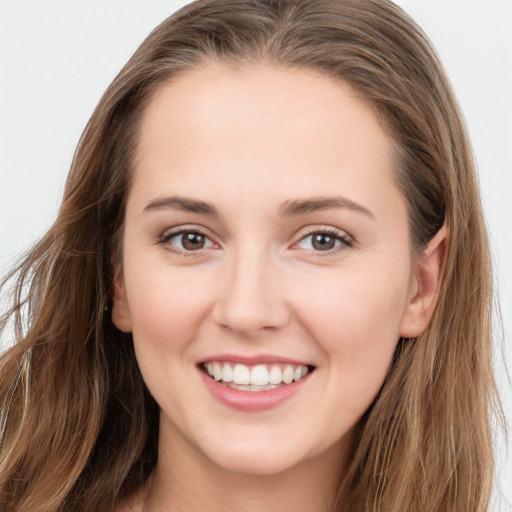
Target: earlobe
(120, 311)
(427, 282)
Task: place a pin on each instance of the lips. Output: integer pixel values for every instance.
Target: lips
(257, 384)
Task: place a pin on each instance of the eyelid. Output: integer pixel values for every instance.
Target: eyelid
(170, 233)
(181, 228)
(346, 239)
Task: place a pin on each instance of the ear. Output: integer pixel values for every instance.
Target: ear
(425, 286)
(120, 311)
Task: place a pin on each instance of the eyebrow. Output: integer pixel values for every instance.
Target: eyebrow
(303, 207)
(288, 208)
(183, 204)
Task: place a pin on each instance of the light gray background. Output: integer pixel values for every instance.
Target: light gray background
(58, 56)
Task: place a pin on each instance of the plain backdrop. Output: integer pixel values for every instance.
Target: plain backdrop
(58, 56)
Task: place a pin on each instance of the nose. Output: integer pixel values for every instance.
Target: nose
(251, 296)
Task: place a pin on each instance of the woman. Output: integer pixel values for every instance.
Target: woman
(268, 281)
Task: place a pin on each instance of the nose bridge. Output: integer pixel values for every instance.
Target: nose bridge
(250, 299)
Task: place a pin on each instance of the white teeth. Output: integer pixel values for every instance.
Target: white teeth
(227, 373)
(288, 375)
(256, 378)
(241, 374)
(275, 376)
(217, 371)
(250, 387)
(259, 375)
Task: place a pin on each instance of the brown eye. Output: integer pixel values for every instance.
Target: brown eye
(186, 241)
(192, 241)
(323, 241)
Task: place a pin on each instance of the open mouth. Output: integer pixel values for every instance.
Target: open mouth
(260, 377)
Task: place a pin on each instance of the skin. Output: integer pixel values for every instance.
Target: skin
(250, 142)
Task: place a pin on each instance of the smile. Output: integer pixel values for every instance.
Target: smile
(260, 377)
(254, 384)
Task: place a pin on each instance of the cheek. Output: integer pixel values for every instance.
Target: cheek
(356, 325)
(355, 319)
(355, 309)
(167, 310)
(166, 307)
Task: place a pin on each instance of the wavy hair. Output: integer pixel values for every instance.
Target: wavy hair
(79, 429)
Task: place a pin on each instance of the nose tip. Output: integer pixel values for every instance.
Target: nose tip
(250, 302)
(246, 324)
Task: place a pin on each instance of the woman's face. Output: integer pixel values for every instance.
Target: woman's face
(265, 243)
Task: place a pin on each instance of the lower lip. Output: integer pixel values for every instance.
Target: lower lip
(252, 401)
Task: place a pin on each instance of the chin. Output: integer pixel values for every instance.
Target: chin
(255, 464)
(253, 457)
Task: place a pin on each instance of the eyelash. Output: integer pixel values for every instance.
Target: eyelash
(167, 237)
(344, 239)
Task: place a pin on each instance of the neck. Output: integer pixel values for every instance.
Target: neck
(186, 481)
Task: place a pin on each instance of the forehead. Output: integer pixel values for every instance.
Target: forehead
(261, 128)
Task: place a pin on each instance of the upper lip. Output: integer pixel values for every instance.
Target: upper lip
(253, 360)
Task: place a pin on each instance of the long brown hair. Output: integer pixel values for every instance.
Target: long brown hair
(79, 428)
